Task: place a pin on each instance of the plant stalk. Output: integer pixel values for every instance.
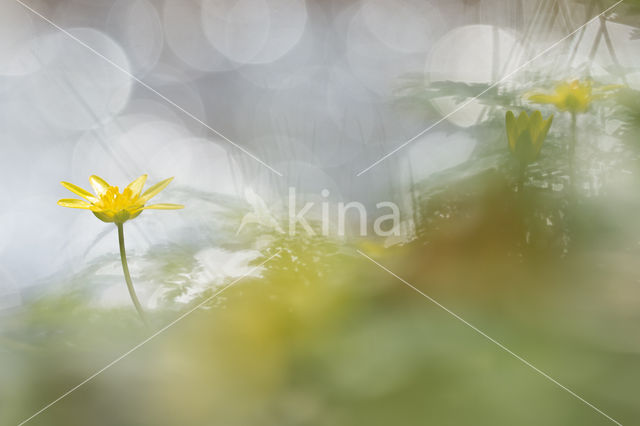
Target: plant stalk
(521, 177)
(572, 150)
(127, 276)
(521, 203)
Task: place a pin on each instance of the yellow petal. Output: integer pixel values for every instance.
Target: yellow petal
(541, 98)
(536, 118)
(522, 123)
(535, 125)
(546, 125)
(163, 206)
(99, 185)
(154, 190)
(79, 191)
(74, 204)
(608, 88)
(136, 186)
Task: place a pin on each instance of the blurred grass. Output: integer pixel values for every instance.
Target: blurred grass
(327, 338)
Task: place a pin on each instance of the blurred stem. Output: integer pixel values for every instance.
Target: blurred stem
(521, 201)
(127, 276)
(572, 150)
(521, 175)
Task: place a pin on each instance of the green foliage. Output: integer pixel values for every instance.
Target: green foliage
(413, 92)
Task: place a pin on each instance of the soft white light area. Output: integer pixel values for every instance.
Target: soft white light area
(278, 76)
(467, 54)
(439, 151)
(201, 164)
(182, 92)
(16, 33)
(254, 31)
(122, 150)
(350, 106)
(403, 25)
(140, 109)
(215, 265)
(626, 47)
(80, 90)
(33, 251)
(299, 66)
(308, 179)
(185, 37)
(137, 25)
(379, 51)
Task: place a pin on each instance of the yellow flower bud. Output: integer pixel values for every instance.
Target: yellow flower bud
(526, 135)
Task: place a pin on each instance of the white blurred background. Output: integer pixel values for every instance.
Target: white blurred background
(305, 86)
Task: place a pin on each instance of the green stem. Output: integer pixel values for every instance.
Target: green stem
(127, 276)
(521, 175)
(572, 150)
(521, 202)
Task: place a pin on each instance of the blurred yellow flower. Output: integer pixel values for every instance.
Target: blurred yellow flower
(111, 205)
(526, 135)
(575, 96)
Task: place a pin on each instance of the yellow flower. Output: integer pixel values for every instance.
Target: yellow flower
(526, 135)
(111, 205)
(575, 96)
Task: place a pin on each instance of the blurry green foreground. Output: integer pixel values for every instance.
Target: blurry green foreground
(325, 337)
